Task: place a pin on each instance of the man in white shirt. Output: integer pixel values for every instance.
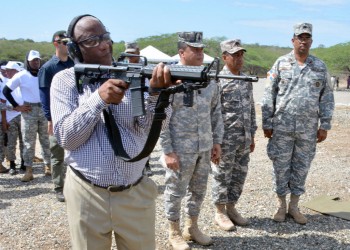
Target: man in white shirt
(32, 122)
(11, 119)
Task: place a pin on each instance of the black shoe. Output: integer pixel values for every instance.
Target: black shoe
(60, 196)
(22, 168)
(13, 171)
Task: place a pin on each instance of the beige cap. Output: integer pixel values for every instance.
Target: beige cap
(231, 46)
(131, 47)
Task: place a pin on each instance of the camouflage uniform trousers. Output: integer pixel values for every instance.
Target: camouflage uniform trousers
(58, 168)
(14, 133)
(34, 122)
(3, 149)
(229, 176)
(191, 180)
(291, 154)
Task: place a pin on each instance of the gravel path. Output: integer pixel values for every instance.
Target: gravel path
(31, 218)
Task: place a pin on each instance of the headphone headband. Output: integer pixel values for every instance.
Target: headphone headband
(72, 24)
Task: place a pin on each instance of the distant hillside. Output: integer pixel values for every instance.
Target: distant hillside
(259, 58)
(336, 57)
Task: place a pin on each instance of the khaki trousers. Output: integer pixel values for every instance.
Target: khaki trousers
(93, 213)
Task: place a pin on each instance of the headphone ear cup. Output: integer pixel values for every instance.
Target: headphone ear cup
(73, 47)
(74, 52)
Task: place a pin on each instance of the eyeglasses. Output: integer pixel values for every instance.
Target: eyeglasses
(94, 41)
(60, 41)
(303, 38)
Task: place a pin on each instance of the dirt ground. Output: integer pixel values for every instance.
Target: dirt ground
(336, 152)
(332, 153)
(31, 217)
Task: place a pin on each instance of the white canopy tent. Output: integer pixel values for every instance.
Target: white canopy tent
(155, 55)
(207, 58)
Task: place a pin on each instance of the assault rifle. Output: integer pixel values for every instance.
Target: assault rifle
(192, 77)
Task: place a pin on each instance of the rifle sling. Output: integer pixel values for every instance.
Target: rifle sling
(116, 141)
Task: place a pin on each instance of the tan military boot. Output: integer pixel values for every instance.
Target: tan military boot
(37, 159)
(175, 238)
(221, 218)
(282, 210)
(28, 176)
(293, 210)
(192, 232)
(47, 170)
(235, 216)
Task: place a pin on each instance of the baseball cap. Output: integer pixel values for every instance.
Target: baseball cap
(131, 47)
(3, 64)
(33, 54)
(62, 34)
(231, 46)
(301, 28)
(193, 39)
(13, 65)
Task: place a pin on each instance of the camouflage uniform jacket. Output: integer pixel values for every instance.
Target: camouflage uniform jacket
(296, 97)
(194, 129)
(238, 108)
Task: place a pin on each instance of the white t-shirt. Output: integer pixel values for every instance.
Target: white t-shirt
(16, 94)
(18, 98)
(28, 85)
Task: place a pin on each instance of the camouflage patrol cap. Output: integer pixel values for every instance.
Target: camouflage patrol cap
(231, 46)
(301, 28)
(131, 47)
(193, 39)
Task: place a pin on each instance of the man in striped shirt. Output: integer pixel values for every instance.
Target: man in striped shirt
(103, 192)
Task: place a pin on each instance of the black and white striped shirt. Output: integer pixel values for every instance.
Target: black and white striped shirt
(80, 129)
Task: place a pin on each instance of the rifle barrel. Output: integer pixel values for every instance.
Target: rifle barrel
(242, 78)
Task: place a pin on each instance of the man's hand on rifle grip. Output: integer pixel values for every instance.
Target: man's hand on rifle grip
(112, 91)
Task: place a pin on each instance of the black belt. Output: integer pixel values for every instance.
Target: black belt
(109, 188)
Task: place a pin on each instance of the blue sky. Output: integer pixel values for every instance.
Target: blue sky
(265, 22)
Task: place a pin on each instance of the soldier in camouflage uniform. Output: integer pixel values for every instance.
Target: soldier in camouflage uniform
(238, 111)
(192, 139)
(297, 110)
(132, 48)
(32, 122)
(3, 80)
(11, 120)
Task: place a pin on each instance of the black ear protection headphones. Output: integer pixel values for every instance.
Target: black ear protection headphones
(73, 47)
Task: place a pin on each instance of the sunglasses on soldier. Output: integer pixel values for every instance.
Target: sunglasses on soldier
(64, 42)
